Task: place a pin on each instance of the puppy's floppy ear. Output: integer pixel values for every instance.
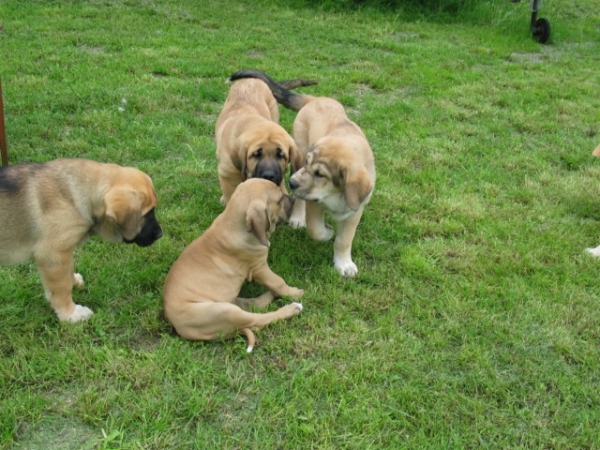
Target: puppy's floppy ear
(357, 186)
(258, 221)
(239, 159)
(124, 209)
(296, 159)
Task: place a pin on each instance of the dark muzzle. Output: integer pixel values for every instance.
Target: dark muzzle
(150, 232)
(269, 170)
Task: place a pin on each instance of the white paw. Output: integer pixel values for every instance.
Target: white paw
(297, 222)
(80, 313)
(298, 306)
(78, 280)
(594, 251)
(346, 268)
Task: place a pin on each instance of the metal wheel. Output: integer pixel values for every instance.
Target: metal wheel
(541, 30)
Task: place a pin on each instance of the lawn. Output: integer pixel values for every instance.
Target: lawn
(474, 321)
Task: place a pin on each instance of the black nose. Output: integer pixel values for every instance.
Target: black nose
(269, 170)
(293, 184)
(271, 176)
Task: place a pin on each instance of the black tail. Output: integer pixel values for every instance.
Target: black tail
(281, 90)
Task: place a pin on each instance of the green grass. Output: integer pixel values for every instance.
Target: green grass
(475, 319)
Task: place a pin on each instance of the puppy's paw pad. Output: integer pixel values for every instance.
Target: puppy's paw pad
(80, 313)
(78, 280)
(593, 251)
(347, 269)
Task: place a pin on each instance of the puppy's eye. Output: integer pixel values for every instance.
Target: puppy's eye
(318, 174)
(280, 154)
(257, 153)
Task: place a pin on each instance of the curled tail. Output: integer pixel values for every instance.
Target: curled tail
(250, 337)
(281, 90)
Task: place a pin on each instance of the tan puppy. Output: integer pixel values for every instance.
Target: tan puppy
(595, 251)
(48, 209)
(200, 292)
(339, 171)
(250, 141)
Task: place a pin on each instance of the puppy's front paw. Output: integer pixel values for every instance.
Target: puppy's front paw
(80, 313)
(295, 292)
(346, 268)
(297, 222)
(78, 280)
(594, 251)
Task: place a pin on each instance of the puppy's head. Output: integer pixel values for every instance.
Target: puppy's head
(264, 206)
(130, 210)
(266, 151)
(332, 170)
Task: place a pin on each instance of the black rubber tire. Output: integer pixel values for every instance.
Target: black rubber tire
(541, 30)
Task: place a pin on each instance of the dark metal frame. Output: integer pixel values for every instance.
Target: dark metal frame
(3, 148)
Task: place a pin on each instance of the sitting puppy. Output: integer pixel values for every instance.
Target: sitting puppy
(339, 171)
(595, 251)
(250, 141)
(201, 289)
(48, 209)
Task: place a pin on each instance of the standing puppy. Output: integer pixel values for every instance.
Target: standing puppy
(250, 141)
(201, 290)
(339, 171)
(48, 209)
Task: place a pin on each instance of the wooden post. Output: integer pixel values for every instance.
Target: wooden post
(3, 148)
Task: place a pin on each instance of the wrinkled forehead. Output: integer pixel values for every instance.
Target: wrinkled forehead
(314, 158)
(269, 134)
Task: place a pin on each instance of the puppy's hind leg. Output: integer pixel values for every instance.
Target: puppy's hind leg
(285, 312)
(209, 321)
(262, 301)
